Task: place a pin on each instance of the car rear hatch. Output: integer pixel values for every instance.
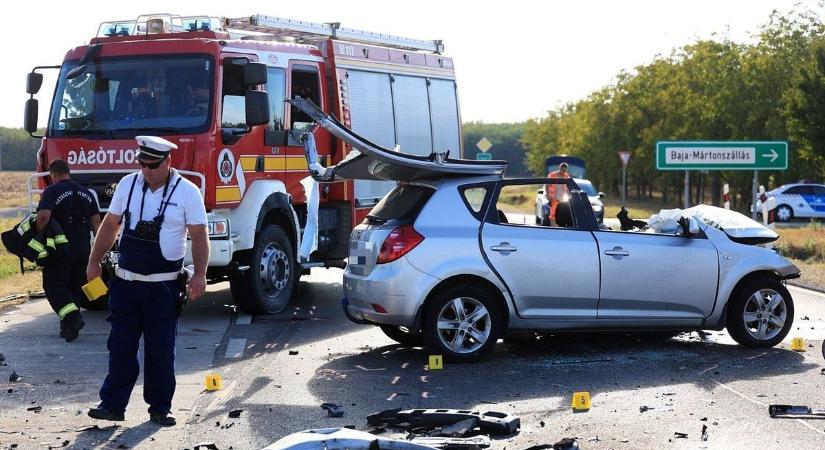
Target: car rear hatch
(393, 215)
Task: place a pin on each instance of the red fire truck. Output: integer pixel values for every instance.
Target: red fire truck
(216, 88)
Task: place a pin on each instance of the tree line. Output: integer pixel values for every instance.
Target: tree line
(715, 89)
(17, 149)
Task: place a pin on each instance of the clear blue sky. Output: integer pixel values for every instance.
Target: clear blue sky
(514, 59)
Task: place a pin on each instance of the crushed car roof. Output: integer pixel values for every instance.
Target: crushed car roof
(369, 161)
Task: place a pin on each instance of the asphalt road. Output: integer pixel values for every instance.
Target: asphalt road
(278, 369)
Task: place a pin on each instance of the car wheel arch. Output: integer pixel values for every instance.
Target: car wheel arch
(744, 280)
(471, 280)
(790, 210)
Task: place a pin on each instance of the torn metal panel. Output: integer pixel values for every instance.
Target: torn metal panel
(369, 161)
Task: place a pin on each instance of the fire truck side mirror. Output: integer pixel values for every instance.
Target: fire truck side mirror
(257, 108)
(254, 74)
(33, 82)
(30, 119)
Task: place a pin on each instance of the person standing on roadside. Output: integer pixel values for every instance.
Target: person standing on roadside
(155, 208)
(75, 210)
(556, 192)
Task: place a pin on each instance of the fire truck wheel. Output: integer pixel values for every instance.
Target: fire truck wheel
(268, 285)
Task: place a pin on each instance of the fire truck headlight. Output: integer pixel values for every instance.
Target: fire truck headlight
(218, 228)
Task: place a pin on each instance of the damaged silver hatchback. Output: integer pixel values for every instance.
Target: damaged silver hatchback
(448, 259)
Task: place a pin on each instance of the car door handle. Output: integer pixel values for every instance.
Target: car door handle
(617, 252)
(505, 248)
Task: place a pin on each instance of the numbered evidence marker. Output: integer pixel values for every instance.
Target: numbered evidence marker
(798, 344)
(581, 401)
(212, 382)
(436, 362)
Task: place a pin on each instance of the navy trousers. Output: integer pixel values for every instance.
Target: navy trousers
(147, 309)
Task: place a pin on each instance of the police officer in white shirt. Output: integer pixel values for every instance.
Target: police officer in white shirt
(155, 208)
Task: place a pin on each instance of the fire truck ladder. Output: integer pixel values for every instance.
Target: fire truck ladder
(307, 32)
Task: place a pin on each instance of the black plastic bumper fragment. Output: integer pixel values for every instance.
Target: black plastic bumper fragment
(489, 422)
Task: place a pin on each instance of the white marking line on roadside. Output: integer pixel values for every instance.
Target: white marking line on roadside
(805, 290)
(235, 348)
(243, 319)
(756, 402)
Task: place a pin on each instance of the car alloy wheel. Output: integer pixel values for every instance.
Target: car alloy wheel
(784, 213)
(761, 313)
(765, 314)
(464, 325)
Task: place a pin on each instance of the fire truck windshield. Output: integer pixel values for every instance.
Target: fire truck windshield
(120, 97)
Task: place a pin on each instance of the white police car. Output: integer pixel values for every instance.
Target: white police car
(797, 200)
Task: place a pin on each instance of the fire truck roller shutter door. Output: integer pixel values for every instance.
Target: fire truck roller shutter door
(412, 114)
(373, 117)
(444, 116)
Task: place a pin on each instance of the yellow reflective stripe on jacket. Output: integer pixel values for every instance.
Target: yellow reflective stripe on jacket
(64, 311)
(61, 239)
(50, 243)
(36, 246)
(25, 225)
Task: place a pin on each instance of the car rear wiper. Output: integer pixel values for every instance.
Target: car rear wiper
(376, 220)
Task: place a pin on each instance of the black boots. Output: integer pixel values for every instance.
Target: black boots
(71, 325)
(163, 419)
(102, 413)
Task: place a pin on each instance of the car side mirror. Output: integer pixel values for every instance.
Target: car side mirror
(257, 107)
(33, 82)
(602, 194)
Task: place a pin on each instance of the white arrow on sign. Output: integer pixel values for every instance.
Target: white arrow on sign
(773, 155)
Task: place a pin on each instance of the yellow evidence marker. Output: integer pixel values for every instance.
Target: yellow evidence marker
(436, 362)
(95, 289)
(798, 344)
(212, 382)
(581, 401)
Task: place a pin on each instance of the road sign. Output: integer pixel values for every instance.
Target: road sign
(624, 155)
(484, 144)
(484, 156)
(721, 155)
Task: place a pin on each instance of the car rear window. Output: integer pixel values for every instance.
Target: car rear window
(402, 203)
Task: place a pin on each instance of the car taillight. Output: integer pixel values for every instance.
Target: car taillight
(400, 241)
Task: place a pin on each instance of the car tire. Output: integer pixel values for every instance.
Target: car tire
(784, 213)
(269, 283)
(403, 335)
(462, 323)
(752, 319)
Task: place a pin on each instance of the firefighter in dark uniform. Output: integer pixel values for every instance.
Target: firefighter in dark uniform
(155, 208)
(75, 210)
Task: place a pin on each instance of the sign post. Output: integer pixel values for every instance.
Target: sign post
(624, 155)
(722, 155)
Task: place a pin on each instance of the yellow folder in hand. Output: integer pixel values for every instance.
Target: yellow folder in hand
(95, 289)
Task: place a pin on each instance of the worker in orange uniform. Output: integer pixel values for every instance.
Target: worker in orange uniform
(556, 192)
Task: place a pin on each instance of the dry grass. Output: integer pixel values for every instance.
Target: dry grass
(804, 244)
(13, 189)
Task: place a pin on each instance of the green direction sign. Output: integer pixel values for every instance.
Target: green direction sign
(721, 155)
(484, 156)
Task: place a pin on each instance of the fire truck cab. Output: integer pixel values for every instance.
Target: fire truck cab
(216, 88)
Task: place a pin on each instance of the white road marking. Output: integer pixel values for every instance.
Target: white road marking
(235, 348)
(243, 319)
(806, 290)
